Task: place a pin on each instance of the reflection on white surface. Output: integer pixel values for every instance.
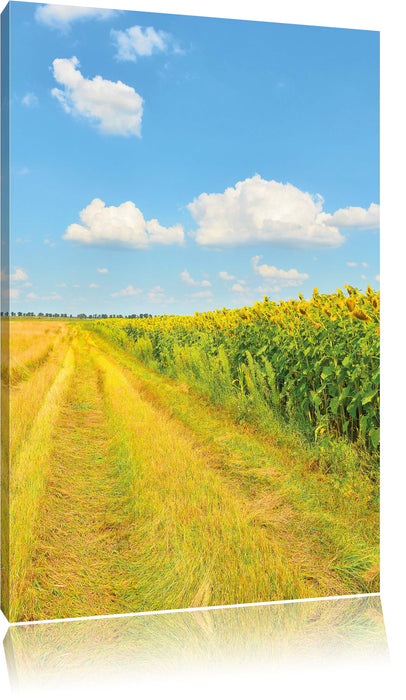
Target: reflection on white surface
(84, 652)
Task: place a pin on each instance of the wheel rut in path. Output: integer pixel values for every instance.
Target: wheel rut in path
(84, 520)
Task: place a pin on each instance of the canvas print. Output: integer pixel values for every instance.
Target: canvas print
(190, 312)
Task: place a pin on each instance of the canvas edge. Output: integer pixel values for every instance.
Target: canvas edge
(5, 304)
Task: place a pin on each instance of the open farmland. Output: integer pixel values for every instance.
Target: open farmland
(172, 462)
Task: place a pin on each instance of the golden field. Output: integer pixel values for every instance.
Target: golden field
(133, 490)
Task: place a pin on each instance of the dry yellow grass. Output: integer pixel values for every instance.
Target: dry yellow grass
(131, 494)
(74, 570)
(194, 537)
(31, 342)
(28, 472)
(330, 540)
(26, 396)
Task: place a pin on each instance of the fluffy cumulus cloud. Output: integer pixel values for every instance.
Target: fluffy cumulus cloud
(19, 275)
(354, 217)
(129, 291)
(226, 276)
(18, 278)
(283, 278)
(266, 211)
(137, 41)
(120, 227)
(115, 108)
(187, 277)
(63, 16)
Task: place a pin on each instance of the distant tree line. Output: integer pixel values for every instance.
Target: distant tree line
(49, 315)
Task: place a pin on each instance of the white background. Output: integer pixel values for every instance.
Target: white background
(320, 682)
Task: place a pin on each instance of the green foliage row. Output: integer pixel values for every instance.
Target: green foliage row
(316, 362)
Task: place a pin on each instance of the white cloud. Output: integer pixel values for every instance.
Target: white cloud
(364, 264)
(156, 294)
(47, 297)
(283, 278)
(62, 17)
(237, 287)
(354, 217)
(19, 275)
(62, 285)
(186, 277)
(267, 289)
(164, 236)
(48, 242)
(378, 278)
(203, 295)
(352, 264)
(30, 100)
(94, 286)
(115, 108)
(102, 270)
(225, 276)
(141, 41)
(14, 293)
(123, 226)
(127, 292)
(261, 211)
(364, 277)
(265, 211)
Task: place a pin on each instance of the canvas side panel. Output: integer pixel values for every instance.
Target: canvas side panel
(5, 305)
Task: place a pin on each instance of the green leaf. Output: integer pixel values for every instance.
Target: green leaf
(374, 434)
(369, 397)
(334, 405)
(327, 371)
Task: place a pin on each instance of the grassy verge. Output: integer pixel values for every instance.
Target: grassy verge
(330, 534)
(28, 473)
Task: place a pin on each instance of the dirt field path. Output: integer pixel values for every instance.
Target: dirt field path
(154, 501)
(75, 561)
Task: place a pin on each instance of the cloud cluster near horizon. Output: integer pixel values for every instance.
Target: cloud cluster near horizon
(270, 212)
(115, 108)
(63, 16)
(284, 278)
(122, 227)
(254, 211)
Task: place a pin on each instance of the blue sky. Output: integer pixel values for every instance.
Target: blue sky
(167, 164)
